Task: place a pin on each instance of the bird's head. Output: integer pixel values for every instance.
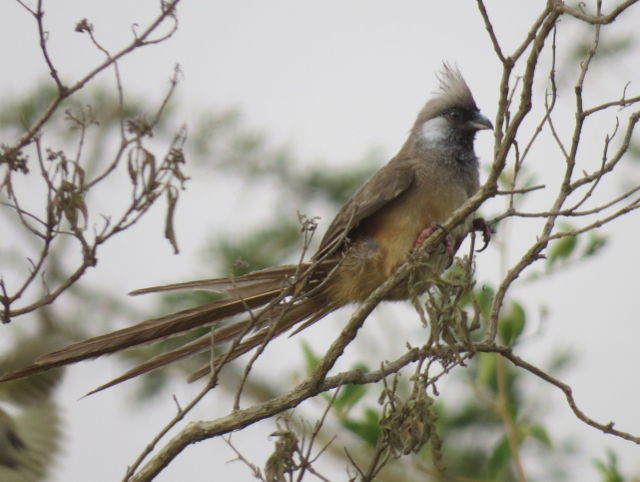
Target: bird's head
(451, 117)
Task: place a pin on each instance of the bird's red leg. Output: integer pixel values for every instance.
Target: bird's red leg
(479, 224)
(425, 233)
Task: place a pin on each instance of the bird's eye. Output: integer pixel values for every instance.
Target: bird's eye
(454, 115)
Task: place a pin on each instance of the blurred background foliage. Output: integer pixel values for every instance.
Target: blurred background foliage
(493, 401)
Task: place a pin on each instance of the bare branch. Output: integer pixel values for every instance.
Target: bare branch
(568, 392)
(140, 41)
(39, 15)
(198, 431)
(490, 30)
(597, 19)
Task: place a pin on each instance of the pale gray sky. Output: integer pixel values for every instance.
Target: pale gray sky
(330, 80)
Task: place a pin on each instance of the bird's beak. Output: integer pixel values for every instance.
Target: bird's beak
(480, 122)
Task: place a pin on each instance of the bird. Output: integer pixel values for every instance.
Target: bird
(11, 445)
(435, 171)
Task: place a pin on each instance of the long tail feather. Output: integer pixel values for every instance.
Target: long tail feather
(184, 351)
(241, 286)
(151, 330)
(200, 344)
(247, 293)
(313, 308)
(286, 317)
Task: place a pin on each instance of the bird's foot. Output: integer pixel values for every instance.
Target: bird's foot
(479, 224)
(425, 233)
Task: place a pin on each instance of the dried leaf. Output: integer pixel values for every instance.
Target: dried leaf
(169, 231)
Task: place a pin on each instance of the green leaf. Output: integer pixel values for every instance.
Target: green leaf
(609, 469)
(539, 433)
(266, 246)
(595, 243)
(471, 414)
(512, 325)
(561, 249)
(483, 297)
(351, 394)
(150, 385)
(310, 358)
(561, 359)
(612, 47)
(339, 186)
(367, 429)
(500, 458)
(487, 369)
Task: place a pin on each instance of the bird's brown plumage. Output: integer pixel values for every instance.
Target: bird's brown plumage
(433, 174)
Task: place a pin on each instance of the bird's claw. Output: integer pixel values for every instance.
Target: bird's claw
(425, 233)
(479, 224)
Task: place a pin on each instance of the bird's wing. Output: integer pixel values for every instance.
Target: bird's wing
(385, 186)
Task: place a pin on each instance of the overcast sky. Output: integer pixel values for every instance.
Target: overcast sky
(330, 80)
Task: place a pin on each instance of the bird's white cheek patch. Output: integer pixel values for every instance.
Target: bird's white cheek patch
(434, 131)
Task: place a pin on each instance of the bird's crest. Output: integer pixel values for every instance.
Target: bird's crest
(453, 92)
(453, 88)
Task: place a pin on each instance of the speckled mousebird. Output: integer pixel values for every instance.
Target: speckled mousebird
(434, 173)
